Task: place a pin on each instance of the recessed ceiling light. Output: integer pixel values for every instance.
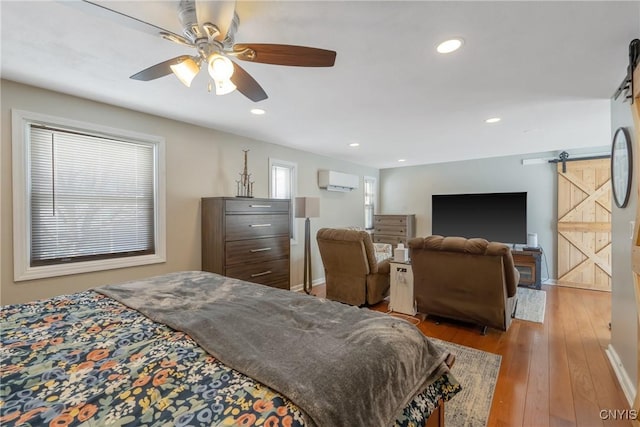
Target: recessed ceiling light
(354, 144)
(402, 160)
(449, 46)
(257, 111)
(493, 120)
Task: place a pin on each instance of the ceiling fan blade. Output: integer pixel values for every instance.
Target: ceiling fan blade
(284, 54)
(119, 16)
(159, 70)
(247, 85)
(220, 13)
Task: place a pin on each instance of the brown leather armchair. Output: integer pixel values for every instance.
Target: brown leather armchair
(471, 280)
(352, 274)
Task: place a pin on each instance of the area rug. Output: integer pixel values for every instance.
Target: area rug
(477, 372)
(531, 305)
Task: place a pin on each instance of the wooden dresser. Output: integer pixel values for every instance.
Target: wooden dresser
(247, 238)
(394, 229)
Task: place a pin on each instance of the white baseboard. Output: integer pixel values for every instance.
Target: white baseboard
(299, 287)
(625, 382)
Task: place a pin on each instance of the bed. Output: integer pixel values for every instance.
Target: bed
(200, 349)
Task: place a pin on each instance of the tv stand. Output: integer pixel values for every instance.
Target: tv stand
(528, 262)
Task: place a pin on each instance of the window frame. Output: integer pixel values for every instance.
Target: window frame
(21, 121)
(374, 181)
(293, 168)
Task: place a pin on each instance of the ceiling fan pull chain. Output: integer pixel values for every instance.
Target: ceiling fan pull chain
(209, 86)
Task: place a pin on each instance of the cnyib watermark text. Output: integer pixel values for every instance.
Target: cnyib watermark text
(619, 414)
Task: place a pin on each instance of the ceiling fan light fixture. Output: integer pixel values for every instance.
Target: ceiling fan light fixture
(224, 87)
(220, 67)
(186, 71)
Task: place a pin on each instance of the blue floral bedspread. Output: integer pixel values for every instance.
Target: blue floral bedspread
(85, 359)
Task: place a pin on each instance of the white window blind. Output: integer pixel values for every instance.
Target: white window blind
(369, 201)
(281, 182)
(91, 197)
(282, 185)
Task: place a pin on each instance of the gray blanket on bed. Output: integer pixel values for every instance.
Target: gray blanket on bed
(341, 365)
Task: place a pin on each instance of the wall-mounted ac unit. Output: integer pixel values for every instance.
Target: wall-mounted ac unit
(337, 181)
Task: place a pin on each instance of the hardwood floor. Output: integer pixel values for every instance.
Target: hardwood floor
(552, 374)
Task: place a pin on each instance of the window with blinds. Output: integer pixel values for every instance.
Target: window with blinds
(91, 197)
(86, 197)
(369, 201)
(280, 182)
(282, 185)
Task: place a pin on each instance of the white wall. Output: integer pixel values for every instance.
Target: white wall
(624, 322)
(201, 162)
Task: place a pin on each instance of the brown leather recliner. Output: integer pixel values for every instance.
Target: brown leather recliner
(471, 280)
(351, 272)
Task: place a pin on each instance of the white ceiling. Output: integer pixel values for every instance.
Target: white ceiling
(548, 69)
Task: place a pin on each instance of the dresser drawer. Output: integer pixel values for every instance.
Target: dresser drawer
(393, 240)
(274, 273)
(258, 225)
(256, 250)
(390, 220)
(394, 230)
(256, 206)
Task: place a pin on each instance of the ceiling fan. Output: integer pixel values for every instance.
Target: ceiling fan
(210, 28)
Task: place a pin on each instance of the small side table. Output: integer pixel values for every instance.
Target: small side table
(401, 297)
(527, 262)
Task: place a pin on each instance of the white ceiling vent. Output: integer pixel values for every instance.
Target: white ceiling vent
(337, 181)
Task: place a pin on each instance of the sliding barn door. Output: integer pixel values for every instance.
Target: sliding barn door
(584, 224)
(635, 249)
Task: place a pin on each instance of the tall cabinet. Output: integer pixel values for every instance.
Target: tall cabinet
(247, 238)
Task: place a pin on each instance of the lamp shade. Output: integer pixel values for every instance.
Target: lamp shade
(307, 207)
(186, 70)
(224, 87)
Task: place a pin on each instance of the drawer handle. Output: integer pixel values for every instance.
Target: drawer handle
(260, 225)
(259, 250)
(259, 206)
(264, 273)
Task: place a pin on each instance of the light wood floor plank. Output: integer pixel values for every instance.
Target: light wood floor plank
(511, 389)
(561, 405)
(536, 409)
(584, 392)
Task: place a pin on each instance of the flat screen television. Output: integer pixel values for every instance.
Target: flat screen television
(498, 217)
